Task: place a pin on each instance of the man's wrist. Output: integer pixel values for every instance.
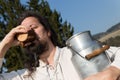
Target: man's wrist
(114, 69)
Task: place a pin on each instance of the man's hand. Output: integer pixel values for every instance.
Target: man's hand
(9, 40)
(111, 73)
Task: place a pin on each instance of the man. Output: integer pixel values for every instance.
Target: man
(46, 60)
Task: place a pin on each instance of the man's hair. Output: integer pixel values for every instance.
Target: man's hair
(31, 63)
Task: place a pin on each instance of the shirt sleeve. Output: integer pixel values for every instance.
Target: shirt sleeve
(114, 53)
(8, 76)
(11, 76)
(116, 61)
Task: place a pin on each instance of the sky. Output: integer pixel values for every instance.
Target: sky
(93, 15)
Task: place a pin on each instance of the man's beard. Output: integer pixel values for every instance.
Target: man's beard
(37, 47)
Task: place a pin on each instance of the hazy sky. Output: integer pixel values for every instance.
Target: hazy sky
(94, 15)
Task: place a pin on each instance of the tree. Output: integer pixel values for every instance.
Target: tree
(9, 13)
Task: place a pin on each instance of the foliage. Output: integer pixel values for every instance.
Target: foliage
(10, 11)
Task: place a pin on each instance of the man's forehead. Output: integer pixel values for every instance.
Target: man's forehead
(30, 22)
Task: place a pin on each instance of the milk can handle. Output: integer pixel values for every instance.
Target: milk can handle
(97, 52)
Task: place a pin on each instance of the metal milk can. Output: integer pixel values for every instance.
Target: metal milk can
(89, 55)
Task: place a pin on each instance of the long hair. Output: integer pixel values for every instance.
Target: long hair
(32, 60)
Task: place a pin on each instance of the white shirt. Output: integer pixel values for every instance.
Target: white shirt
(63, 69)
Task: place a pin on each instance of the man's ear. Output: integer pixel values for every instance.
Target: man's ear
(49, 33)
